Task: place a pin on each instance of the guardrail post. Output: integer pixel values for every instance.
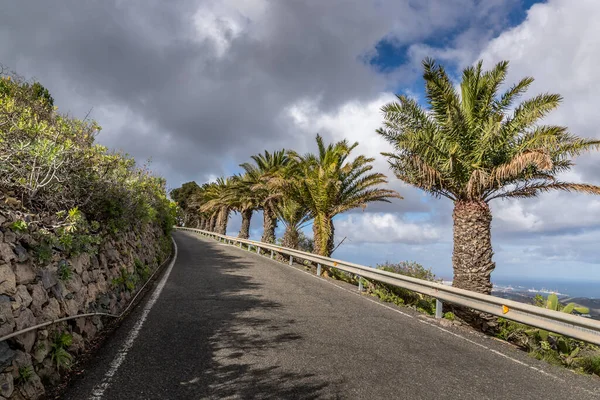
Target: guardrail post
(271, 254)
(257, 250)
(438, 308)
(318, 269)
(360, 284)
(291, 260)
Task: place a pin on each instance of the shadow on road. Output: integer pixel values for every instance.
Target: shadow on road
(238, 336)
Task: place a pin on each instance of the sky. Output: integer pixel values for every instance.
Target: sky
(198, 86)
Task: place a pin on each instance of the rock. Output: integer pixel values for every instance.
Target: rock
(79, 325)
(8, 281)
(23, 296)
(81, 296)
(48, 372)
(95, 273)
(103, 262)
(112, 255)
(21, 253)
(28, 241)
(94, 262)
(92, 292)
(74, 284)
(101, 284)
(6, 252)
(33, 388)
(49, 278)
(41, 349)
(104, 301)
(80, 262)
(24, 273)
(51, 311)
(6, 355)
(25, 320)
(85, 277)
(71, 307)
(21, 360)
(6, 385)
(39, 297)
(9, 236)
(59, 290)
(445, 323)
(89, 330)
(2, 219)
(77, 344)
(7, 321)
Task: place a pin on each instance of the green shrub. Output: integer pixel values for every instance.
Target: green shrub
(449, 316)
(19, 226)
(25, 374)
(125, 281)
(402, 296)
(58, 351)
(72, 171)
(590, 364)
(141, 269)
(64, 271)
(551, 347)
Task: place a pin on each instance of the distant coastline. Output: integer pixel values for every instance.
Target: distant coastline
(585, 293)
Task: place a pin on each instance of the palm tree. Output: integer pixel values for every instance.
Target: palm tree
(330, 184)
(266, 167)
(243, 200)
(471, 147)
(294, 215)
(217, 203)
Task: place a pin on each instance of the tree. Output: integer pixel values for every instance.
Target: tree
(469, 147)
(184, 197)
(243, 200)
(265, 167)
(294, 215)
(217, 201)
(330, 184)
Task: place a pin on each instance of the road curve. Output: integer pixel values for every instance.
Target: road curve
(230, 324)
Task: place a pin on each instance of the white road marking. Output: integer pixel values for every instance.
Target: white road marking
(189, 382)
(98, 391)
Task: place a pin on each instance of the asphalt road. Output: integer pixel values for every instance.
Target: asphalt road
(230, 324)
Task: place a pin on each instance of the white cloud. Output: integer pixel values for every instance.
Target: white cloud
(384, 228)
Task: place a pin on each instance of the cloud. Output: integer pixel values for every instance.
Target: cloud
(199, 82)
(384, 228)
(199, 86)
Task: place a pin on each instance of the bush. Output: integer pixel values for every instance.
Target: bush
(52, 164)
(551, 347)
(400, 296)
(590, 364)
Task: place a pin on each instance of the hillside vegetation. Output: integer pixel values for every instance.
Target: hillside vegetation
(50, 163)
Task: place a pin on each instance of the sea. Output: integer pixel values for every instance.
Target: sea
(562, 287)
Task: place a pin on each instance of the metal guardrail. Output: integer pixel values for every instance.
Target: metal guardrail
(569, 325)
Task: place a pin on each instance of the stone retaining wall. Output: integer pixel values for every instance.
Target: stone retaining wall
(32, 292)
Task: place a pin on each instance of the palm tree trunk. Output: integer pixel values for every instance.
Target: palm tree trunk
(472, 256)
(291, 237)
(222, 219)
(213, 222)
(269, 225)
(323, 235)
(245, 228)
